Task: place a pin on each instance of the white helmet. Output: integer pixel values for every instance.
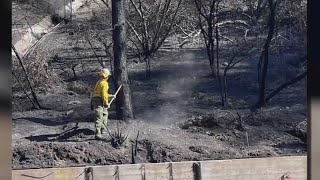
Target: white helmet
(106, 71)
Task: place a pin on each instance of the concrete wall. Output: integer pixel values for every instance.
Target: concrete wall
(46, 25)
(50, 6)
(274, 168)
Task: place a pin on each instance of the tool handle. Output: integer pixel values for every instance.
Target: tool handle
(115, 94)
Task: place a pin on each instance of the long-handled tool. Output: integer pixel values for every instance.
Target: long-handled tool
(115, 94)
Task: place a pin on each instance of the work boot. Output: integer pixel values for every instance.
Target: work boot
(98, 134)
(98, 137)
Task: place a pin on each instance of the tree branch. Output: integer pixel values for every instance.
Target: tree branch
(28, 80)
(284, 85)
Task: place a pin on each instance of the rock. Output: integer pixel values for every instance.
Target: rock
(69, 112)
(198, 149)
(74, 102)
(221, 137)
(71, 93)
(225, 64)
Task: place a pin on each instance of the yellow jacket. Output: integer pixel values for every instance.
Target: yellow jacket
(102, 90)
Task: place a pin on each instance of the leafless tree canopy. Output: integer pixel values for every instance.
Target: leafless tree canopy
(230, 31)
(150, 23)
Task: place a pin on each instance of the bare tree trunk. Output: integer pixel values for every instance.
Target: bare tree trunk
(264, 60)
(230, 65)
(211, 57)
(123, 101)
(70, 10)
(24, 90)
(74, 73)
(28, 80)
(217, 54)
(148, 67)
(64, 9)
(92, 48)
(210, 48)
(207, 35)
(225, 96)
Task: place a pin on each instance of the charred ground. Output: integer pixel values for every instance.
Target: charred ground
(178, 116)
(177, 111)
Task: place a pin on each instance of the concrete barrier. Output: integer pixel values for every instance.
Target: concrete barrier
(273, 168)
(36, 32)
(50, 173)
(258, 168)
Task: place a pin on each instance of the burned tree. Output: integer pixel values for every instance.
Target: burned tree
(274, 42)
(217, 53)
(219, 24)
(123, 101)
(206, 16)
(34, 99)
(150, 24)
(264, 58)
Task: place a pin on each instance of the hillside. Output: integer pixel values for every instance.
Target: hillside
(177, 111)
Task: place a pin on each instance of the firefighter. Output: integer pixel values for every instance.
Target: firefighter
(100, 103)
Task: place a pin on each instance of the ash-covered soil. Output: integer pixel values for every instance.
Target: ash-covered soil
(177, 111)
(177, 114)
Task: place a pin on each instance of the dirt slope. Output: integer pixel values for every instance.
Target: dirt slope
(177, 113)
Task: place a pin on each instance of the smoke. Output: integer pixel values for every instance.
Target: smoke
(174, 91)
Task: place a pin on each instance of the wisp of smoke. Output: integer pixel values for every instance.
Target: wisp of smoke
(174, 92)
